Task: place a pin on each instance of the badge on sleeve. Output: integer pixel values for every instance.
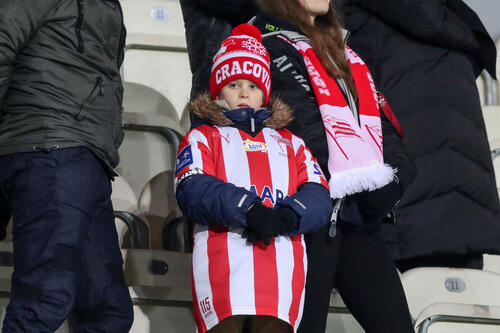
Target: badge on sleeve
(184, 158)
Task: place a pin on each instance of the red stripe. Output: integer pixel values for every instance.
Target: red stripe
(292, 169)
(373, 138)
(216, 145)
(333, 137)
(298, 277)
(200, 323)
(302, 175)
(218, 269)
(265, 269)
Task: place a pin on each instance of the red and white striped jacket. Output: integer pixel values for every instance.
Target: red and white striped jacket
(231, 276)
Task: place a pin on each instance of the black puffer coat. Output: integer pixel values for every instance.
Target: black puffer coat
(425, 57)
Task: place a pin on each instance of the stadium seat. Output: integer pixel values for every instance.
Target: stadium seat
(492, 263)
(480, 89)
(453, 300)
(152, 134)
(339, 318)
(158, 204)
(156, 53)
(185, 120)
(132, 232)
(488, 89)
(160, 287)
(492, 120)
(498, 70)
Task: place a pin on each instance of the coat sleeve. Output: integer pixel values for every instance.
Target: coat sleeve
(395, 152)
(201, 196)
(312, 202)
(19, 21)
(429, 21)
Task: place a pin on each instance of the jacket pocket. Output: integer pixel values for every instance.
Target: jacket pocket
(97, 90)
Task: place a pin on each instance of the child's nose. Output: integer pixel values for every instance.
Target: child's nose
(243, 92)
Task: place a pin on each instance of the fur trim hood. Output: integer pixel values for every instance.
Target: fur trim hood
(205, 108)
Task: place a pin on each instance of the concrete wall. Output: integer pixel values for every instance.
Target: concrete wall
(489, 12)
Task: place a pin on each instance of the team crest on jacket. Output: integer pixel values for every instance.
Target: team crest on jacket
(254, 146)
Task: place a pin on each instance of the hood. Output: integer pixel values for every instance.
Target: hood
(205, 108)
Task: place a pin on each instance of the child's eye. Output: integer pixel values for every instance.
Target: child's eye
(233, 85)
(253, 86)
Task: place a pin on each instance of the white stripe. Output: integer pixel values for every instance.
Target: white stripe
(312, 177)
(244, 37)
(194, 137)
(278, 162)
(235, 157)
(285, 266)
(241, 266)
(239, 54)
(201, 277)
(242, 200)
(297, 143)
(302, 297)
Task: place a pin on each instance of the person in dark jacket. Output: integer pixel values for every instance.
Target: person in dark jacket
(425, 56)
(60, 128)
(355, 260)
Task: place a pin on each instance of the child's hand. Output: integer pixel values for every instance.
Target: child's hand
(268, 223)
(252, 237)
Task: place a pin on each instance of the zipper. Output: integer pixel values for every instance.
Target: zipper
(332, 232)
(97, 90)
(79, 21)
(123, 30)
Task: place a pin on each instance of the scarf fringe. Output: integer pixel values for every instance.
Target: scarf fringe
(361, 179)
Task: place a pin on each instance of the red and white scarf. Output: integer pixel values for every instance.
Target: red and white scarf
(355, 153)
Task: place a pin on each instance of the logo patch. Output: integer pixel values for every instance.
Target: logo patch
(218, 135)
(253, 146)
(317, 169)
(184, 158)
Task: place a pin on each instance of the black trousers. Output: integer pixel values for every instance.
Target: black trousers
(358, 265)
(66, 253)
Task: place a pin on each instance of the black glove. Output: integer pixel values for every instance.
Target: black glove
(265, 223)
(377, 204)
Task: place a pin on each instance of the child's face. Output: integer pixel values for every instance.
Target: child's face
(242, 94)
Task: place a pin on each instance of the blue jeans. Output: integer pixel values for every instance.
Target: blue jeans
(66, 253)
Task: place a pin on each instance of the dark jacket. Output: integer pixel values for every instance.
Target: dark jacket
(60, 84)
(227, 204)
(425, 57)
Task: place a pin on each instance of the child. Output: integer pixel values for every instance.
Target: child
(243, 175)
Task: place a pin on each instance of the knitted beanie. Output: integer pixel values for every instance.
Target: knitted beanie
(241, 56)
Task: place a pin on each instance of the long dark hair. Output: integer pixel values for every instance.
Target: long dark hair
(325, 34)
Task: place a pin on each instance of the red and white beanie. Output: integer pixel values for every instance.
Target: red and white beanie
(241, 56)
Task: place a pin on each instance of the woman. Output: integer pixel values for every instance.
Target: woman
(337, 113)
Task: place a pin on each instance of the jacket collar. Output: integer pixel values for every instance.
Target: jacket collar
(277, 115)
(268, 23)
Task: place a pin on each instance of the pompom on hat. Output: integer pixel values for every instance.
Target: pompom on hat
(241, 56)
